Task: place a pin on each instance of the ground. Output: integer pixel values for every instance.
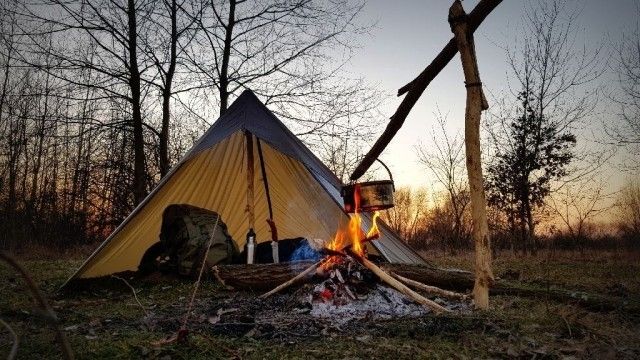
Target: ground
(107, 322)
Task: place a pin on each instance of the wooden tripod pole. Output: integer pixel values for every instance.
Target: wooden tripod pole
(476, 102)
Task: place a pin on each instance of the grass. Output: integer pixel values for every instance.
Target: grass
(106, 322)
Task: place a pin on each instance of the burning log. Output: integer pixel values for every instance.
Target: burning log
(430, 289)
(308, 271)
(397, 284)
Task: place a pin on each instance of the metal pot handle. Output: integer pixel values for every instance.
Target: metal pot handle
(393, 185)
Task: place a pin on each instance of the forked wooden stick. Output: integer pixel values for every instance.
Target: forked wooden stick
(391, 281)
(429, 288)
(286, 284)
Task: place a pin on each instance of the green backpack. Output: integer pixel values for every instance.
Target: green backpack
(186, 231)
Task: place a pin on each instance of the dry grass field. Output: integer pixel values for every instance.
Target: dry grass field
(106, 322)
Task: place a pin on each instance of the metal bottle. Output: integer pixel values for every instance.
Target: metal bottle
(251, 246)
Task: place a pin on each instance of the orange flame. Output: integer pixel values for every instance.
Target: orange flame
(373, 231)
(352, 233)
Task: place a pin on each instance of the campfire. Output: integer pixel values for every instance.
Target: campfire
(344, 268)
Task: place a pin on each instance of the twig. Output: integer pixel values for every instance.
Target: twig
(135, 295)
(286, 284)
(182, 333)
(568, 326)
(429, 288)
(14, 347)
(216, 274)
(42, 302)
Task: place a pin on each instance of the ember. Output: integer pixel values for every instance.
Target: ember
(350, 291)
(344, 283)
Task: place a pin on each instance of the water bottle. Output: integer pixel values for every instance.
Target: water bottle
(251, 246)
(274, 252)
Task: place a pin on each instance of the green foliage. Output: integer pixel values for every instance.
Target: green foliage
(537, 153)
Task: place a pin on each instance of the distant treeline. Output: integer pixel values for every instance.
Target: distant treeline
(426, 225)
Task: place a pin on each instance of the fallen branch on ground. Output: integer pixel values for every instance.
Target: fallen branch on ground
(263, 277)
(431, 289)
(42, 302)
(135, 295)
(14, 336)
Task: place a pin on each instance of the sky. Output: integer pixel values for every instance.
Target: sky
(409, 33)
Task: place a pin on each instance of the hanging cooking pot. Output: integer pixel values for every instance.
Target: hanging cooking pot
(369, 196)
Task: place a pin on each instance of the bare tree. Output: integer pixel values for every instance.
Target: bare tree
(112, 29)
(628, 203)
(168, 38)
(280, 50)
(627, 132)
(406, 217)
(445, 161)
(578, 203)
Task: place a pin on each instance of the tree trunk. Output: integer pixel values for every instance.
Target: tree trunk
(226, 54)
(33, 201)
(531, 226)
(139, 188)
(166, 93)
(475, 104)
(7, 67)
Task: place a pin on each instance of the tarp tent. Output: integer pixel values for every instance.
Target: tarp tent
(304, 194)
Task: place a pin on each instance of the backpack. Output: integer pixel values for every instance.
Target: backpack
(186, 231)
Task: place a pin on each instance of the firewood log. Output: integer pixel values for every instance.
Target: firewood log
(449, 279)
(305, 273)
(430, 289)
(261, 277)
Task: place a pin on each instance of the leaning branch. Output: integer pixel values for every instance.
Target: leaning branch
(416, 87)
